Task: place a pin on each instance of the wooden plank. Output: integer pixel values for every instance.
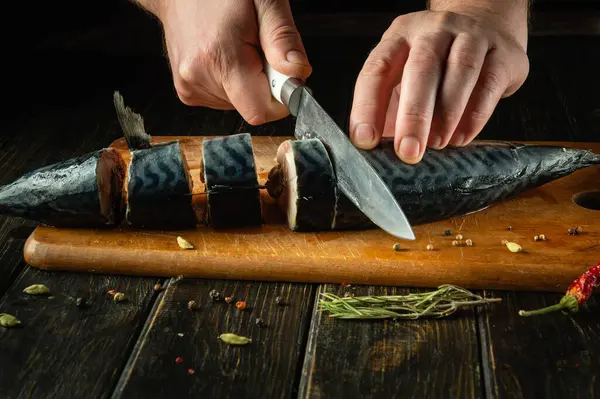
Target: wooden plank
(62, 350)
(275, 253)
(551, 356)
(398, 359)
(265, 368)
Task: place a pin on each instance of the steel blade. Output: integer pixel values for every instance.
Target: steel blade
(357, 179)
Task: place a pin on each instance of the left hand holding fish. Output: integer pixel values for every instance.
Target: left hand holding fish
(436, 76)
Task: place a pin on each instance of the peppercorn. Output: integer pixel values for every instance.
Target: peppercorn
(455, 243)
(178, 360)
(260, 322)
(81, 302)
(430, 247)
(509, 228)
(396, 247)
(240, 305)
(459, 237)
(191, 305)
(279, 300)
(228, 299)
(158, 287)
(191, 371)
(119, 297)
(448, 232)
(542, 237)
(469, 242)
(214, 295)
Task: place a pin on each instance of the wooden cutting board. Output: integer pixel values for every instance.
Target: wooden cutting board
(273, 252)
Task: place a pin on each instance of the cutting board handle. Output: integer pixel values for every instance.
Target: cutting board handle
(285, 89)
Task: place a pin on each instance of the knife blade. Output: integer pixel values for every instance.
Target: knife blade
(356, 178)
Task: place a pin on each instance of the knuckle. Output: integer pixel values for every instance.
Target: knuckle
(417, 115)
(283, 33)
(464, 60)
(493, 81)
(479, 116)
(376, 65)
(256, 118)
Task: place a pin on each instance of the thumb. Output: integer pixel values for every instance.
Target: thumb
(280, 40)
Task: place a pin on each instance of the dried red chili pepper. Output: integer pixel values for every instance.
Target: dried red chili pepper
(577, 294)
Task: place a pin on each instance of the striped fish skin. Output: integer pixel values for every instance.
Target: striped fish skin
(459, 181)
(158, 189)
(229, 172)
(309, 185)
(85, 191)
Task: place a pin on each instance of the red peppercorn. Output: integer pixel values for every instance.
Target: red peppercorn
(191, 371)
(240, 305)
(178, 360)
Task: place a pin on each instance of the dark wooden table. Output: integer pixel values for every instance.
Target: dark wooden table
(64, 107)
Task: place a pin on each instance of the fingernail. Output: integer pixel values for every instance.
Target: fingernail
(409, 148)
(458, 139)
(435, 141)
(296, 57)
(364, 134)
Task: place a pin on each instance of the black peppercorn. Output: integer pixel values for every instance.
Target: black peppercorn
(279, 300)
(214, 295)
(260, 322)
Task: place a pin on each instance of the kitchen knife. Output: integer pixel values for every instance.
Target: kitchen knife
(356, 178)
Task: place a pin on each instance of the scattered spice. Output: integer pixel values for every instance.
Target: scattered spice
(178, 360)
(37, 289)
(396, 247)
(234, 339)
(191, 305)
(575, 231)
(509, 228)
(119, 297)
(191, 371)
(577, 294)
(228, 299)
(444, 301)
(240, 305)
(542, 237)
(81, 302)
(184, 243)
(513, 247)
(459, 237)
(455, 243)
(504, 242)
(8, 320)
(158, 287)
(448, 232)
(469, 242)
(430, 247)
(215, 296)
(260, 322)
(111, 292)
(279, 300)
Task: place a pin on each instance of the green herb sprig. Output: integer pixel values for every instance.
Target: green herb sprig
(444, 301)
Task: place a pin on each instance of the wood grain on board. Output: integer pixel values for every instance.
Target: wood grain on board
(272, 252)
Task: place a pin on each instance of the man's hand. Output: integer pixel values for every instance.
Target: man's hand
(214, 48)
(436, 76)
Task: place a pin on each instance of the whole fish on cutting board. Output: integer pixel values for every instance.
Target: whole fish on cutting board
(446, 183)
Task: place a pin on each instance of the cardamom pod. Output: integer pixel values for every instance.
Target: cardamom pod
(234, 339)
(513, 247)
(37, 289)
(7, 320)
(184, 244)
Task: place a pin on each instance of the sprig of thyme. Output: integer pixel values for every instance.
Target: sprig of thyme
(444, 301)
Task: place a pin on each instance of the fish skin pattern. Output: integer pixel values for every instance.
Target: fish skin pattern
(158, 190)
(229, 172)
